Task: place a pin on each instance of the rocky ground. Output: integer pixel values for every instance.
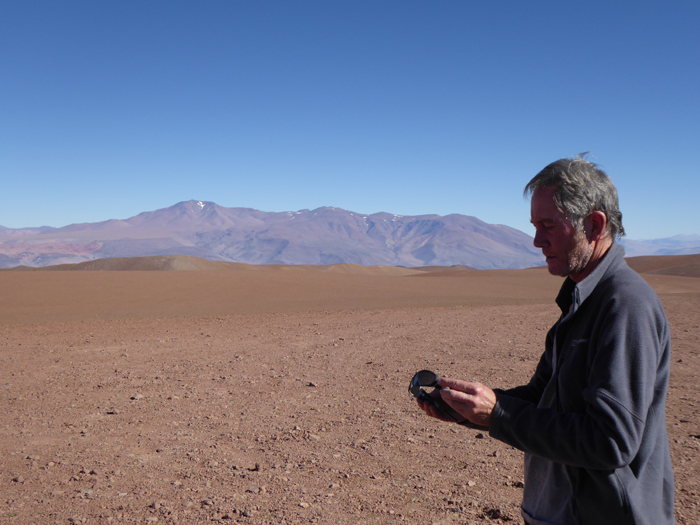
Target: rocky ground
(286, 418)
(261, 395)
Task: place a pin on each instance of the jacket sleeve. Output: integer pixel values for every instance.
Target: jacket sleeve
(602, 427)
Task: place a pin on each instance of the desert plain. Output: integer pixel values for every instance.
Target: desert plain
(175, 390)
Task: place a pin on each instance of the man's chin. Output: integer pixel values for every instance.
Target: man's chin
(556, 269)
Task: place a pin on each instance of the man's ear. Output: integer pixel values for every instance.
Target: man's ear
(595, 226)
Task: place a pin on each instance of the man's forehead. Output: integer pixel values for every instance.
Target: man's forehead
(543, 207)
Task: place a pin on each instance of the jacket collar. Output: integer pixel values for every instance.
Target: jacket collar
(572, 294)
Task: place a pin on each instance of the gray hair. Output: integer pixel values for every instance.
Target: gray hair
(580, 187)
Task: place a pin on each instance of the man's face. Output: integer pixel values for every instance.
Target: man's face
(567, 250)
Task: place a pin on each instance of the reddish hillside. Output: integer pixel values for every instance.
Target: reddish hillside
(681, 265)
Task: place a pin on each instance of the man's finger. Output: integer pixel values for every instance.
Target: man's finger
(456, 384)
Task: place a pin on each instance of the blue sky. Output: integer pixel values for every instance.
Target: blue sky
(108, 108)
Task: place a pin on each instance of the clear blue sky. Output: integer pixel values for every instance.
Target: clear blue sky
(111, 108)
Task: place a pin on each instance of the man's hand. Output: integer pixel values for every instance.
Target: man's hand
(474, 401)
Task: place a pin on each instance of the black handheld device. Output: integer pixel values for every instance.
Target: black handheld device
(427, 378)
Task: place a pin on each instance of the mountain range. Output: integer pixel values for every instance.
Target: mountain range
(676, 245)
(319, 237)
(322, 236)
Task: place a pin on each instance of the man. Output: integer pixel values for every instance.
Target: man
(591, 421)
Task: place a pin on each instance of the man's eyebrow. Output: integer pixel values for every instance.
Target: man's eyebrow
(546, 219)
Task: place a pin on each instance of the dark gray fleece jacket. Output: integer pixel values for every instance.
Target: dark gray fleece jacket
(591, 421)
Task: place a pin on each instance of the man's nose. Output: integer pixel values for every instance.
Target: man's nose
(538, 241)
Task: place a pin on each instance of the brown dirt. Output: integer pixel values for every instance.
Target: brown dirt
(278, 395)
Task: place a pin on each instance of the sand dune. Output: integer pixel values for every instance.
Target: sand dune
(155, 263)
(69, 296)
(682, 265)
(188, 263)
(172, 286)
(687, 265)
